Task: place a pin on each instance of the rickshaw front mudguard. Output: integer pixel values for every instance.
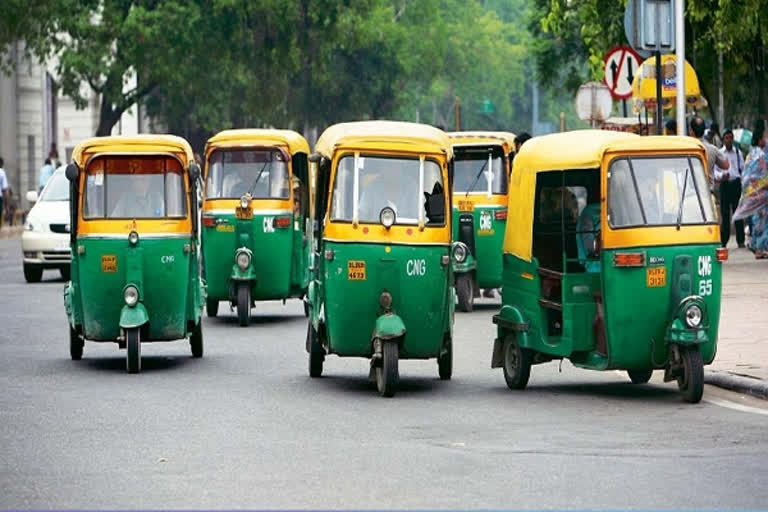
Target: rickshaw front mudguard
(679, 334)
(238, 275)
(135, 316)
(509, 320)
(389, 326)
(467, 265)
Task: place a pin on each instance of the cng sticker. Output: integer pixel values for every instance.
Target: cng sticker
(269, 224)
(356, 270)
(109, 263)
(486, 221)
(416, 267)
(705, 265)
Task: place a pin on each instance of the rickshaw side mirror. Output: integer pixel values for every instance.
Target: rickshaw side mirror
(194, 171)
(72, 172)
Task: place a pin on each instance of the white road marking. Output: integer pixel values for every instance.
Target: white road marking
(733, 405)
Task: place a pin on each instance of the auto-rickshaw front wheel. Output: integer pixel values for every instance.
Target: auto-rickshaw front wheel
(465, 291)
(445, 361)
(640, 376)
(316, 353)
(196, 340)
(387, 373)
(133, 350)
(691, 381)
(244, 304)
(75, 344)
(211, 307)
(517, 364)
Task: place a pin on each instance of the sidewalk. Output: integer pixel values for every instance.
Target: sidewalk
(11, 231)
(741, 363)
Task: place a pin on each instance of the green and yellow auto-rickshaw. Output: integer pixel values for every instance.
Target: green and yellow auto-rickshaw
(255, 212)
(381, 271)
(482, 162)
(135, 272)
(611, 258)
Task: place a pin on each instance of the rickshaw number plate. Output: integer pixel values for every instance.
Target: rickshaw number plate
(243, 213)
(109, 263)
(656, 277)
(356, 270)
(466, 206)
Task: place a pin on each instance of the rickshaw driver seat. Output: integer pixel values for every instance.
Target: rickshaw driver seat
(587, 231)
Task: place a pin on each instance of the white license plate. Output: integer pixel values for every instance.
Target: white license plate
(62, 246)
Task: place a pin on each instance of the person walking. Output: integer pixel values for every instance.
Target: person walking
(754, 199)
(46, 171)
(730, 190)
(696, 129)
(3, 189)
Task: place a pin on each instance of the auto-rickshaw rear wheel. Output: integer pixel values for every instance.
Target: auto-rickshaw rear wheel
(640, 376)
(445, 361)
(316, 352)
(133, 350)
(75, 344)
(196, 340)
(306, 306)
(387, 374)
(244, 304)
(465, 291)
(517, 364)
(211, 307)
(691, 382)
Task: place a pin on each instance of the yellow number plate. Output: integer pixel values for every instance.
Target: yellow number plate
(243, 213)
(656, 277)
(356, 270)
(109, 263)
(225, 228)
(466, 206)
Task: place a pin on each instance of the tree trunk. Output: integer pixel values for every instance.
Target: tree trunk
(107, 118)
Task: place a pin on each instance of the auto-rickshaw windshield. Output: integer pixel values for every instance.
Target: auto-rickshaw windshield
(388, 182)
(134, 187)
(474, 169)
(233, 173)
(660, 191)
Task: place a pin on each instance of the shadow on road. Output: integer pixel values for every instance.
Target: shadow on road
(256, 319)
(361, 385)
(148, 363)
(618, 390)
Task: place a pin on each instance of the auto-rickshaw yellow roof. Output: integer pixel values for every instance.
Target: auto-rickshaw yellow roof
(479, 137)
(387, 134)
(582, 149)
(144, 143)
(257, 137)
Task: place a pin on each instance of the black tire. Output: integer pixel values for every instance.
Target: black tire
(211, 307)
(33, 274)
(244, 304)
(691, 382)
(133, 350)
(465, 291)
(517, 364)
(196, 340)
(387, 374)
(445, 362)
(306, 307)
(66, 273)
(316, 352)
(640, 376)
(75, 344)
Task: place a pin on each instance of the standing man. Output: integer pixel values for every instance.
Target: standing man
(46, 171)
(3, 188)
(714, 157)
(730, 190)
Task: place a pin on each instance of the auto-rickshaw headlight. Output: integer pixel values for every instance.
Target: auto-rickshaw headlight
(387, 217)
(460, 252)
(133, 238)
(243, 259)
(693, 316)
(131, 295)
(245, 201)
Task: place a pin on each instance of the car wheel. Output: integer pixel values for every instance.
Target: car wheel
(33, 274)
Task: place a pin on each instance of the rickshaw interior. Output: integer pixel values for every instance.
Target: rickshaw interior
(476, 167)
(234, 172)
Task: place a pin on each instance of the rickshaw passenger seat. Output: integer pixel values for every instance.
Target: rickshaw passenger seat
(587, 229)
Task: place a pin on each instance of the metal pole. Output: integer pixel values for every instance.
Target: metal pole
(680, 65)
(659, 108)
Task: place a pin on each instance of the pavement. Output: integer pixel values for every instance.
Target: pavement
(245, 427)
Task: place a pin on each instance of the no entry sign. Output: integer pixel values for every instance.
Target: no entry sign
(621, 65)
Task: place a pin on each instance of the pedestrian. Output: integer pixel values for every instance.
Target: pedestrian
(671, 127)
(714, 157)
(46, 171)
(53, 156)
(713, 135)
(3, 189)
(730, 190)
(754, 199)
(520, 140)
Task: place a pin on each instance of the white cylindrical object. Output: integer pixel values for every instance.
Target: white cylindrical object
(680, 65)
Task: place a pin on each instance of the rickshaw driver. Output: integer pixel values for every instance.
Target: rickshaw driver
(139, 200)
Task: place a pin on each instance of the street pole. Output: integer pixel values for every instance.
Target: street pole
(680, 65)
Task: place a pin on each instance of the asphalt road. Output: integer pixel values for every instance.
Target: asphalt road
(245, 427)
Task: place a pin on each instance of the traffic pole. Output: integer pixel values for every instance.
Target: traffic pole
(680, 65)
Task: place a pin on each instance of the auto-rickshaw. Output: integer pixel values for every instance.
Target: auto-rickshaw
(254, 218)
(482, 162)
(135, 274)
(381, 270)
(611, 259)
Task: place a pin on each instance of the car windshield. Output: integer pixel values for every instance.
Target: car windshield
(658, 191)
(134, 187)
(57, 188)
(388, 182)
(472, 171)
(232, 173)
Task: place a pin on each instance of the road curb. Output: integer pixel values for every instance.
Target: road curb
(749, 385)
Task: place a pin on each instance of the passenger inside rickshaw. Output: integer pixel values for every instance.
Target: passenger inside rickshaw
(232, 174)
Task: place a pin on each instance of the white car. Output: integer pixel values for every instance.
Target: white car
(45, 240)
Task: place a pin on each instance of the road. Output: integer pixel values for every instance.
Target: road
(246, 427)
